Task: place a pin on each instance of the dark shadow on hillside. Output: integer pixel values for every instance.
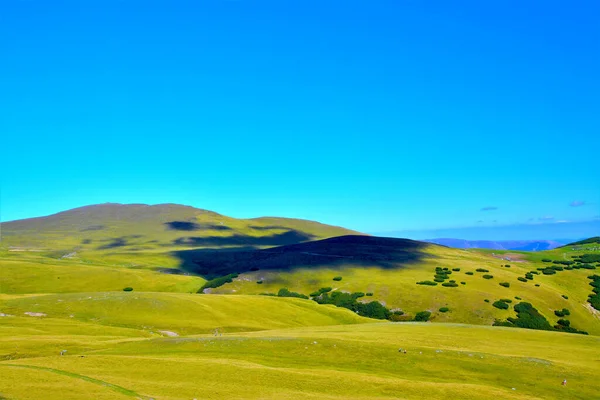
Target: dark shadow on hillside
(118, 242)
(192, 226)
(114, 243)
(278, 239)
(367, 251)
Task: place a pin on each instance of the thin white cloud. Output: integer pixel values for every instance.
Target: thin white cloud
(577, 203)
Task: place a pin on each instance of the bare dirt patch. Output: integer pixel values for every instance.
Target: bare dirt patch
(35, 314)
(169, 333)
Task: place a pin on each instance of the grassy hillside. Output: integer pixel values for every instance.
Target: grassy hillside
(61, 289)
(359, 361)
(158, 236)
(181, 313)
(392, 279)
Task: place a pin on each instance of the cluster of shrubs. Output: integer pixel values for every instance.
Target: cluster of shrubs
(422, 316)
(450, 284)
(337, 278)
(562, 313)
(481, 270)
(427, 283)
(504, 284)
(284, 292)
(588, 258)
(502, 305)
(216, 282)
(487, 276)
(441, 275)
(594, 298)
(527, 317)
(373, 309)
(469, 272)
(522, 279)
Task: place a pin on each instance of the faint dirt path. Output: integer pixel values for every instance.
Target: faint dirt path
(111, 386)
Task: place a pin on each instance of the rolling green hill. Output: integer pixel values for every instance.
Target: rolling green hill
(61, 289)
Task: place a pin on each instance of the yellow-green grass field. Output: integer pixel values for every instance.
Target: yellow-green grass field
(292, 349)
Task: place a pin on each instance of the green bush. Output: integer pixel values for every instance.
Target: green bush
(469, 272)
(529, 276)
(564, 296)
(441, 276)
(537, 285)
(505, 284)
(449, 284)
(437, 280)
(500, 304)
(422, 316)
(220, 281)
(564, 322)
(534, 272)
(284, 292)
(487, 300)
(562, 313)
(427, 283)
(527, 317)
(506, 300)
(546, 260)
(507, 266)
(444, 309)
(487, 276)
(259, 282)
(337, 278)
(481, 270)
(374, 309)
(371, 293)
(517, 298)
(522, 279)
(455, 269)
(463, 283)
(549, 271)
(128, 289)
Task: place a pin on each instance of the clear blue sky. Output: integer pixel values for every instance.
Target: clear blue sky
(375, 115)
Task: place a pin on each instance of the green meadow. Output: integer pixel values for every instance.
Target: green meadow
(68, 330)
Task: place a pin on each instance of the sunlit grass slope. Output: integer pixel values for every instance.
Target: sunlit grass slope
(358, 361)
(30, 274)
(181, 313)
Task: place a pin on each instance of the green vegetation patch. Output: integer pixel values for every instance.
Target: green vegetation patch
(594, 298)
(500, 304)
(373, 309)
(422, 316)
(217, 282)
(527, 317)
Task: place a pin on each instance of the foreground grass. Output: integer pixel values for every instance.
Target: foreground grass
(359, 361)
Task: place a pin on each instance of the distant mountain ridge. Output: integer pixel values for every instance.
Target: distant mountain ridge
(522, 245)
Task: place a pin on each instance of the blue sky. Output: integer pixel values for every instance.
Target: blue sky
(380, 116)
